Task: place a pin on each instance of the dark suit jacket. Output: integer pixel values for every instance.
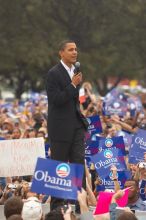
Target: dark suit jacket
(63, 105)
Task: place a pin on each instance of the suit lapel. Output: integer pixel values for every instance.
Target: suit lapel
(64, 72)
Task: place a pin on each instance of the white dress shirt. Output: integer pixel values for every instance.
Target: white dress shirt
(69, 70)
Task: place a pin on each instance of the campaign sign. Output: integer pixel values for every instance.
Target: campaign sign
(88, 161)
(115, 102)
(88, 137)
(56, 178)
(142, 190)
(135, 103)
(106, 158)
(134, 159)
(47, 146)
(126, 137)
(108, 183)
(18, 156)
(138, 146)
(94, 124)
(132, 107)
(117, 107)
(91, 148)
(117, 142)
(110, 96)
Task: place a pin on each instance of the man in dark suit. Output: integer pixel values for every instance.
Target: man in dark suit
(66, 124)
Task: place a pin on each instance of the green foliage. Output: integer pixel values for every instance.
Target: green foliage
(110, 36)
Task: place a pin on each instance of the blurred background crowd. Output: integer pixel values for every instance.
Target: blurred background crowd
(28, 119)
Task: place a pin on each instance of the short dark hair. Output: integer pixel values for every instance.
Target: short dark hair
(54, 214)
(13, 206)
(127, 216)
(135, 182)
(15, 217)
(62, 45)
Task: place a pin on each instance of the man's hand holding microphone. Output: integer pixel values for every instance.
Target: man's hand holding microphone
(77, 77)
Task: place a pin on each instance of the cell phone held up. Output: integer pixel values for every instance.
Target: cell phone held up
(142, 165)
(12, 186)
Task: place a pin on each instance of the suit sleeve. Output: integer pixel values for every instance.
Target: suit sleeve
(57, 96)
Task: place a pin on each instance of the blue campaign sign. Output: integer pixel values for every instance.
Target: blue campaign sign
(135, 104)
(114, 93)
(88, 161)
(142, 190)
(108, 183)
(47, 146)
(91, 148)
(106, 158)
(117, 142)
(117, 107)
(56, 178)
(6, 105)
(126, 137)
(94, 124)
(115, 102)
(134, 159)
(138, 146)
(89, 137)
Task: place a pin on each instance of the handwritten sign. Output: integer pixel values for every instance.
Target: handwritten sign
(18, 157)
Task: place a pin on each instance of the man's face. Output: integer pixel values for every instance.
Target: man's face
(133, 189)
(69, 54)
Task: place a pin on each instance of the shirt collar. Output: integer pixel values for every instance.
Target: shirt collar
(139, 203)
(67, 68)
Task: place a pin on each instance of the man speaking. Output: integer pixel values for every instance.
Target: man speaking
(66, 124)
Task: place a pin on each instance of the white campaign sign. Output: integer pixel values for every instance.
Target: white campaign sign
(18, 157)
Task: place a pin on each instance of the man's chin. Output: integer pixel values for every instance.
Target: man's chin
(74, 61)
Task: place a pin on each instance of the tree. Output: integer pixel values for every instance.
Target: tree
(24, 44)
(110, 36)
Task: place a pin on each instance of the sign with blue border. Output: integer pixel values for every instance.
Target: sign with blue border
(56, 178)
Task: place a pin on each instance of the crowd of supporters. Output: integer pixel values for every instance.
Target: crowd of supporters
(28, 119)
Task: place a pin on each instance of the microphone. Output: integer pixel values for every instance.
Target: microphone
(77, 67)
